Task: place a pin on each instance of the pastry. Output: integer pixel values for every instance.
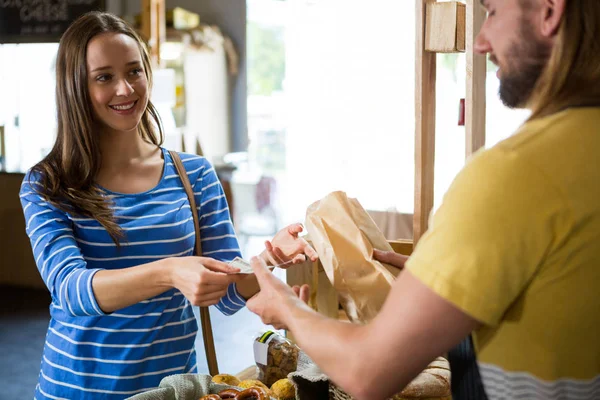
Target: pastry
(248, 383)
(226, 379)
(283, 390)
(229, 394)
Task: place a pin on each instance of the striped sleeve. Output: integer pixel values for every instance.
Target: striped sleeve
(216, 230)
(57, 255)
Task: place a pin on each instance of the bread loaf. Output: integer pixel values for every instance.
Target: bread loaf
(433, 382)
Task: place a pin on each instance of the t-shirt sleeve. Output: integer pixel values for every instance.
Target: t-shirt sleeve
(57, 253)
(498, 222)
(216, 230)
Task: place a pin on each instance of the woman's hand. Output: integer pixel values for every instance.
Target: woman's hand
(390, 257)
(202, 280)
(286, 246)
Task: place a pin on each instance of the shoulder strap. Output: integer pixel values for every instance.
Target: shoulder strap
(190, 194)
(207, 333)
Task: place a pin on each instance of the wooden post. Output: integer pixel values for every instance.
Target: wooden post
(154, 27)
(2, 149)
(445, 27)
(476, 71)
(424, 125)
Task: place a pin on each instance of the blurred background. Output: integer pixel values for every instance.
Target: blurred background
(289, 99)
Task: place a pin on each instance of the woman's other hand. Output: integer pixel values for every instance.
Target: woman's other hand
(202, 280)
(287, 246)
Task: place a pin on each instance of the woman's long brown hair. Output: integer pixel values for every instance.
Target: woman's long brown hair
(572, 75)
(67, 174)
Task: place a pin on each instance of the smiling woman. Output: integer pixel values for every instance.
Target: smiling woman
(93, 48)
(117, 83)
(112, 229)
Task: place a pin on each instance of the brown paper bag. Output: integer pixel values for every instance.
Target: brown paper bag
(344, 235)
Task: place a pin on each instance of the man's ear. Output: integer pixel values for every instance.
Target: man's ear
(551, 14)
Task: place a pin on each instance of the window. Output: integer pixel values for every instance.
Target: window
(27, 104)
(345, 112)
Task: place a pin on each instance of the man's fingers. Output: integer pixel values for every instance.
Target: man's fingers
(280, 255)
(260, 268)
(304, 293)
(299, 258)
(310, 252)
(296, 290)
(295, 229)
(390, 257)
(268, 245)
(272, 254)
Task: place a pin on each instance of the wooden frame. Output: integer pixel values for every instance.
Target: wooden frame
(154, 27)
(445, 26)
(326, 300)
(2, 149)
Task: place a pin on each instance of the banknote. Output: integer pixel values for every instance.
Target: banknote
(242, 264)
(245, 267)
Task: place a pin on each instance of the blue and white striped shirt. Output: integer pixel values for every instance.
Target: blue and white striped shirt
(90, 354)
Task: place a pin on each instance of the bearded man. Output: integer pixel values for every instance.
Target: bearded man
(512, 257)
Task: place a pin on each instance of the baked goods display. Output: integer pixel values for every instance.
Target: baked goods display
(252, 393)
(283, 390)
(226, 379)
(229, 394)
(431, 384)
(249, 383)
(275, 357)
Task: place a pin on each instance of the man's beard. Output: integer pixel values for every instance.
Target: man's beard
(526, 61)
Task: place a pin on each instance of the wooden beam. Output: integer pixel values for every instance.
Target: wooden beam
(476, 73)
(154, 27)
(402, 246)
(425, 77)
(2, 149)
(445, 27)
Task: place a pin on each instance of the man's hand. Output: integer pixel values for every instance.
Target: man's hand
(287, 246)
(390, 257)
(275, 300)
(303, 292)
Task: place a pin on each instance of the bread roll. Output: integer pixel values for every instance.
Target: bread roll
(283, 390)
(248, 383)
(226, 379)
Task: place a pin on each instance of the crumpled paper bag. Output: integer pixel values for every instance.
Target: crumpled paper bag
(344, 236)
